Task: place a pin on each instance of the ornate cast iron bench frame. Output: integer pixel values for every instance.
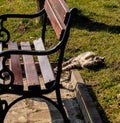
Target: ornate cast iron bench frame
(60, 17)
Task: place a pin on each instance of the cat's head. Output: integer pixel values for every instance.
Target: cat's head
(93, 61)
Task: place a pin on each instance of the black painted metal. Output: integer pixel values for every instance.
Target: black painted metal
(27, 94)
(6, 73)
(4, 32)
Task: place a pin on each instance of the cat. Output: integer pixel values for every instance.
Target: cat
(85, 60)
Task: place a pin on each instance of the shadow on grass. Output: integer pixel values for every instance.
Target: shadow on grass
(84, 22)
(98, 106)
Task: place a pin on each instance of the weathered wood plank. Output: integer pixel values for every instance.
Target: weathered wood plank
(15, 66)
(61, 8)
(30, 70)
(58, 24)
(45, 65)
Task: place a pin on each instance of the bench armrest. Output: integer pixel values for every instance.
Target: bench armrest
(31, 52)
(5, 16)
(4, 32)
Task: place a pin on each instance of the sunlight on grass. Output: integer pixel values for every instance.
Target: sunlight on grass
(97, 29)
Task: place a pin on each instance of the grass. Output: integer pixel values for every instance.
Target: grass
(97, 29)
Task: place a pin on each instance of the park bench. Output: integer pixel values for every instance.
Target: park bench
(18, 60)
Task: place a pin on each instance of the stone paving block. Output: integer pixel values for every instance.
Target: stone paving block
(36, 110)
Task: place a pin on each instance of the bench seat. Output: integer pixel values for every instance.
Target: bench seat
(31, 73)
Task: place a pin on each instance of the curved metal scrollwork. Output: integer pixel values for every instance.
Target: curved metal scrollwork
(4, 33)
(6, 75)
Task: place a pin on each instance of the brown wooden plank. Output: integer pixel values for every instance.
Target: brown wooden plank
(58, 24)
(1, 81)
(15, 67)
(45, 65)
(60, 7)
(30, 70)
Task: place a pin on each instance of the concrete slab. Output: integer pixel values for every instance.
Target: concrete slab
(85, 102)
(40, 111)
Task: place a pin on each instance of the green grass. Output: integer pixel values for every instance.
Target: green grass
(97, 29)
(19, 27)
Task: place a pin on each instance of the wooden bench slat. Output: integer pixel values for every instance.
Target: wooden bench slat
(15, 66)
(57, 24)
(45, 65)
(30, 69)
(61, 8)
(1, 66)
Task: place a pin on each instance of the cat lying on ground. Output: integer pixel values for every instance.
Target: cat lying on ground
(84, 60)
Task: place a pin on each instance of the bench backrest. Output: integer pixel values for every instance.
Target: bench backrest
(57, 12)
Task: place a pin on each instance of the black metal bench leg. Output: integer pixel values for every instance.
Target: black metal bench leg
(3, 107)
(62, 110)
